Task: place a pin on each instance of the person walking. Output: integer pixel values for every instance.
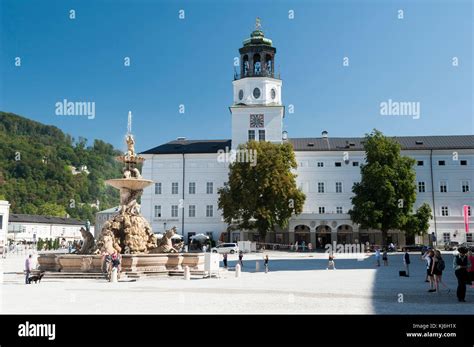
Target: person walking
(310, 247)
(425, 257)
(296, 246)
(331, 263)
(470, 270)
(265, 262)
(28, 268)
(225, 260)
(460, 265)
(241, 257)
(385, 257)
(377, 256)
(437, 268)
(429, 270)
(406, 261)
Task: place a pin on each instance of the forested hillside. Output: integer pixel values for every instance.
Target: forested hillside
(36, 175)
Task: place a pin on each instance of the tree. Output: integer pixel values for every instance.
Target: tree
(384, 197)
(52, 209)
(419, 222)
(261, 194)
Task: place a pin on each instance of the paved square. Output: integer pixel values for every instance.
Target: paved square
(296, 283)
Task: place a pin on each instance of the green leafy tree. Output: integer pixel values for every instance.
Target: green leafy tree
(384, 197)
(419, 222)
(51, 209)
(263, 193)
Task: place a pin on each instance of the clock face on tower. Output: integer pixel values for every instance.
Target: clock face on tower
(257, 121)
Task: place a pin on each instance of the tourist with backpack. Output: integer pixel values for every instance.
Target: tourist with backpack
(438, 266)
(461, 264)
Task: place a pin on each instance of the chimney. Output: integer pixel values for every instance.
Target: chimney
(324, 134)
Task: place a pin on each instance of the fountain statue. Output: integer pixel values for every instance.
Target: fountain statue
(128, 233)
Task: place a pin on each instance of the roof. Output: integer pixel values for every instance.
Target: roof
(406, 142)
(190, 146)
(110, 210)
(30, 218)
(323, 144)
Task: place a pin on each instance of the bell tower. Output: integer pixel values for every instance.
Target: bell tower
(257, 111)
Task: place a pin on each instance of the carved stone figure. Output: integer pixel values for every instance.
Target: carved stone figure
(165, 244)
(88, 245)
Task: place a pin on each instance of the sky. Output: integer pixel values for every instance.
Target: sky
(189, 61)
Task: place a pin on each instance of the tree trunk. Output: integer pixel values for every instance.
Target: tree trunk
(384, 238)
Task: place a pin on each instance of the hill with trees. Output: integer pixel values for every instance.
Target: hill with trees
(42, 170)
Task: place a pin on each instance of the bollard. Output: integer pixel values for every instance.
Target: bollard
(113, 277)
(257, 266)
(187, 273)
(237, 270)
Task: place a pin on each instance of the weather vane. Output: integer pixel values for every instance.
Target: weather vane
(258, 26)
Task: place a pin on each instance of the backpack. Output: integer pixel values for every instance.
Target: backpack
(440, 265)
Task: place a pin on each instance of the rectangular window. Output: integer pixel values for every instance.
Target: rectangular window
(192, 210)
(446, 237)
(468, 211)
(174, 188)
(209, 188)
(320, 187)
(420, 163)
(421, 187)
(1, 221)
(320, 164)
(338, 187)
(469, 237)
(174, 211)
(355, 163)
(338, 164)
(322, 209)
(251, 135)
(465, 186)
(157, 188)
(157, 211)
(192, 187)
(209, 211)
(463, 162)
(444, 211)
(339, 209)
(443, 187)
(441, 162)
(261, 135)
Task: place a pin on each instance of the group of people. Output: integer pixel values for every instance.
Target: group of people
(303, 246)
(111, 262)
(463, 265)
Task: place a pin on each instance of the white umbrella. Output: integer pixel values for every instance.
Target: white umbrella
(200, 237)
(176, 236)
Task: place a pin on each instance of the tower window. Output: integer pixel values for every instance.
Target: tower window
(320, 187)
(257, 66)
(209, 188)
(174, 188)
(320, 164)
(338, 163)
(192, 187)
(322, 210)
(192, 210)
(261, 135)
(251, 135)
(338, 187)
(420, 163)
(157, 211)
(339, 210)
(444, 211)
(355, 163)
(463, 162)
(209, 210)
(441, 163)
(174, 211)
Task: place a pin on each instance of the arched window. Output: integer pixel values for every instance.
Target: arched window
(257, 65)
(269, 64)
(245, 65)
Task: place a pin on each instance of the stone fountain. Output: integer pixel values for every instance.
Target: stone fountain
(128, 233)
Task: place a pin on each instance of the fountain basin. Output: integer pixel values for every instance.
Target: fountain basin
(163, 263)
(129, 183)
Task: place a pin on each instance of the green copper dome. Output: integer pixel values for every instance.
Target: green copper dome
(257, 38)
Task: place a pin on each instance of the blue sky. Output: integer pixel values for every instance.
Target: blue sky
(190, 61)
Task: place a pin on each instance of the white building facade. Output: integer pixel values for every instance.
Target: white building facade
(188, 173)
(30, 228)
(4, 213)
